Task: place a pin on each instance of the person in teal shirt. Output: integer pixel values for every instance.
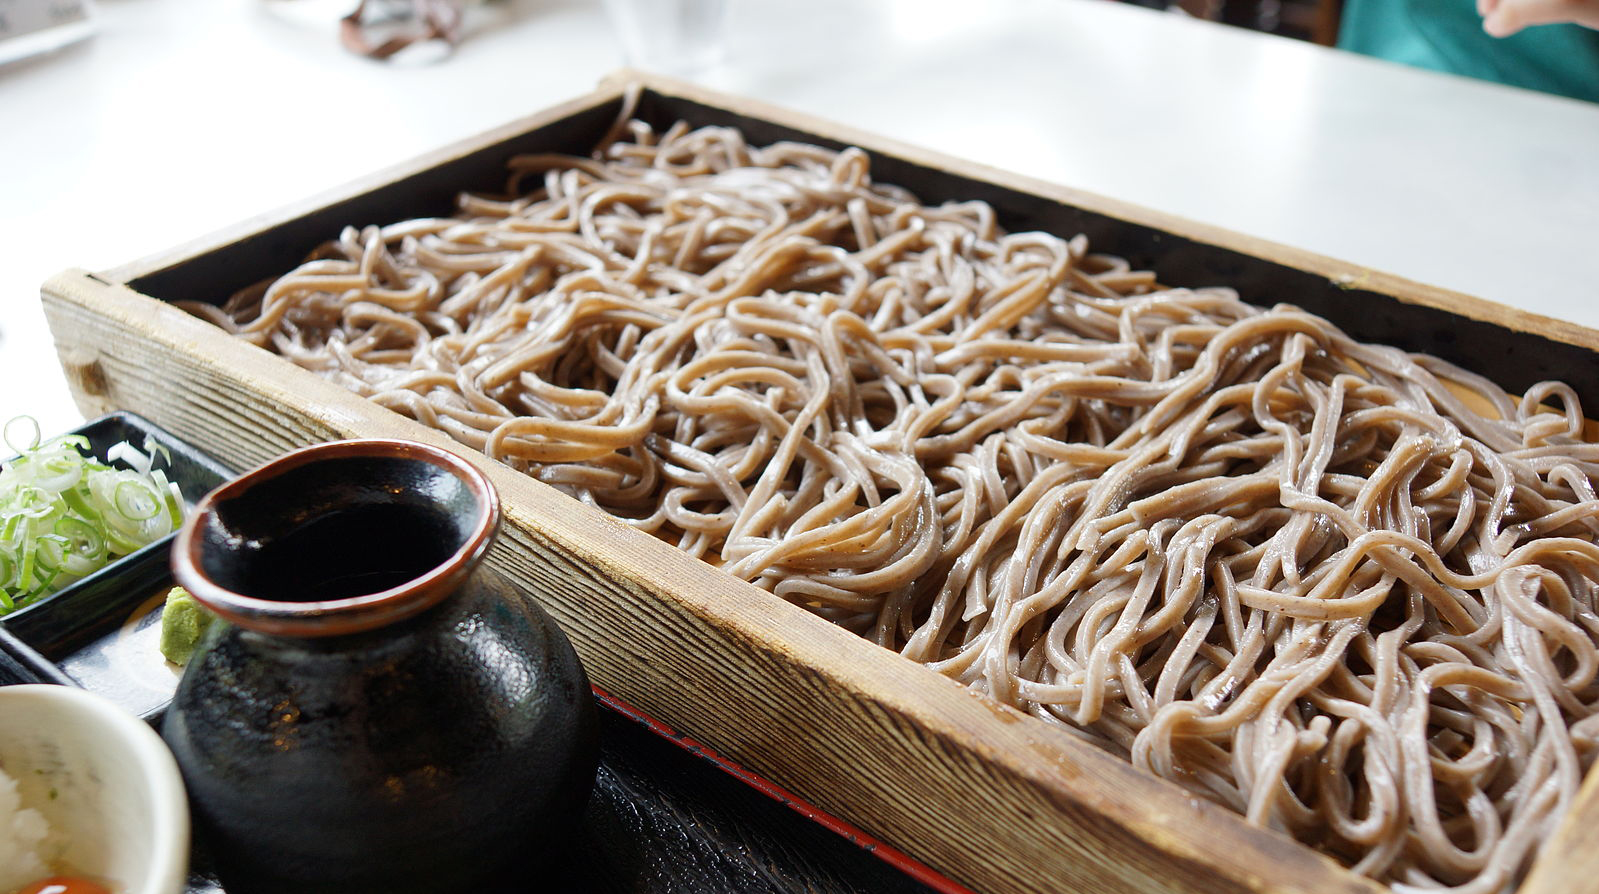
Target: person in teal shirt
(1547, 45)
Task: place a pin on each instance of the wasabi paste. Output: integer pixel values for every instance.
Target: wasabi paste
(183, 622)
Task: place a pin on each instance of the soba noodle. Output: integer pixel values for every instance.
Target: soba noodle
(1296, 574)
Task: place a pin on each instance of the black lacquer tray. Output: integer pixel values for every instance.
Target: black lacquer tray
(667, 820)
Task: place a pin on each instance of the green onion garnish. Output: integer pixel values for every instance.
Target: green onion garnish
(64, 515)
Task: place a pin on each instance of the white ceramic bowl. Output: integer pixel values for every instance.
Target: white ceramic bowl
(119, 803)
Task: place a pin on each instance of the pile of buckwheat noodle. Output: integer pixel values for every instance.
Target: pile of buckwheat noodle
(1299, 575)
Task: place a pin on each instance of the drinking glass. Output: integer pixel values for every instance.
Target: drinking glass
(670, 36)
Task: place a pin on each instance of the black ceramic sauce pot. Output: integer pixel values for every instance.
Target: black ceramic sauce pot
(382, 714)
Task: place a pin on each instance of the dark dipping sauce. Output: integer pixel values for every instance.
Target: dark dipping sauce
(348, 553)
(335, 529)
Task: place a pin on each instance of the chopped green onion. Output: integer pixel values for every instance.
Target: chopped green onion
(83, 539)
(121, 544)
(78, 503)
(64, 515)
(60, 474)
(13, 439)
(174, 497)
(51, 549)
(136, 499)
(25, 579)
(154, 449)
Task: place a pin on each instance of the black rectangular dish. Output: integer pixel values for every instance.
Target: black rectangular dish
(20, 663)
(101, 631)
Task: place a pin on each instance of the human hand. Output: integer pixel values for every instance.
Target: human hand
(1502, 18)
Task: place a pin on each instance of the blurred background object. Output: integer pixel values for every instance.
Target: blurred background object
(687, 37)
(1448, 35)
(1312, 20)
(381, 28)
(1440, 35)
(29, 27)
(670, 36)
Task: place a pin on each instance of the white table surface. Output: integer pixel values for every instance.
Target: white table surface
(180, 117)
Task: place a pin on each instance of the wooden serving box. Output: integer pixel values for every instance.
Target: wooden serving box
(992, 798)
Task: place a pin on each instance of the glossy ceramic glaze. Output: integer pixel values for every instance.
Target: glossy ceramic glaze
(414, 738)
(104, 782)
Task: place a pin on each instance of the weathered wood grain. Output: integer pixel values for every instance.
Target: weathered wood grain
(994, 799)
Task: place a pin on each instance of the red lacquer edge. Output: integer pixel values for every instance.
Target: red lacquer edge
(893, 856)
